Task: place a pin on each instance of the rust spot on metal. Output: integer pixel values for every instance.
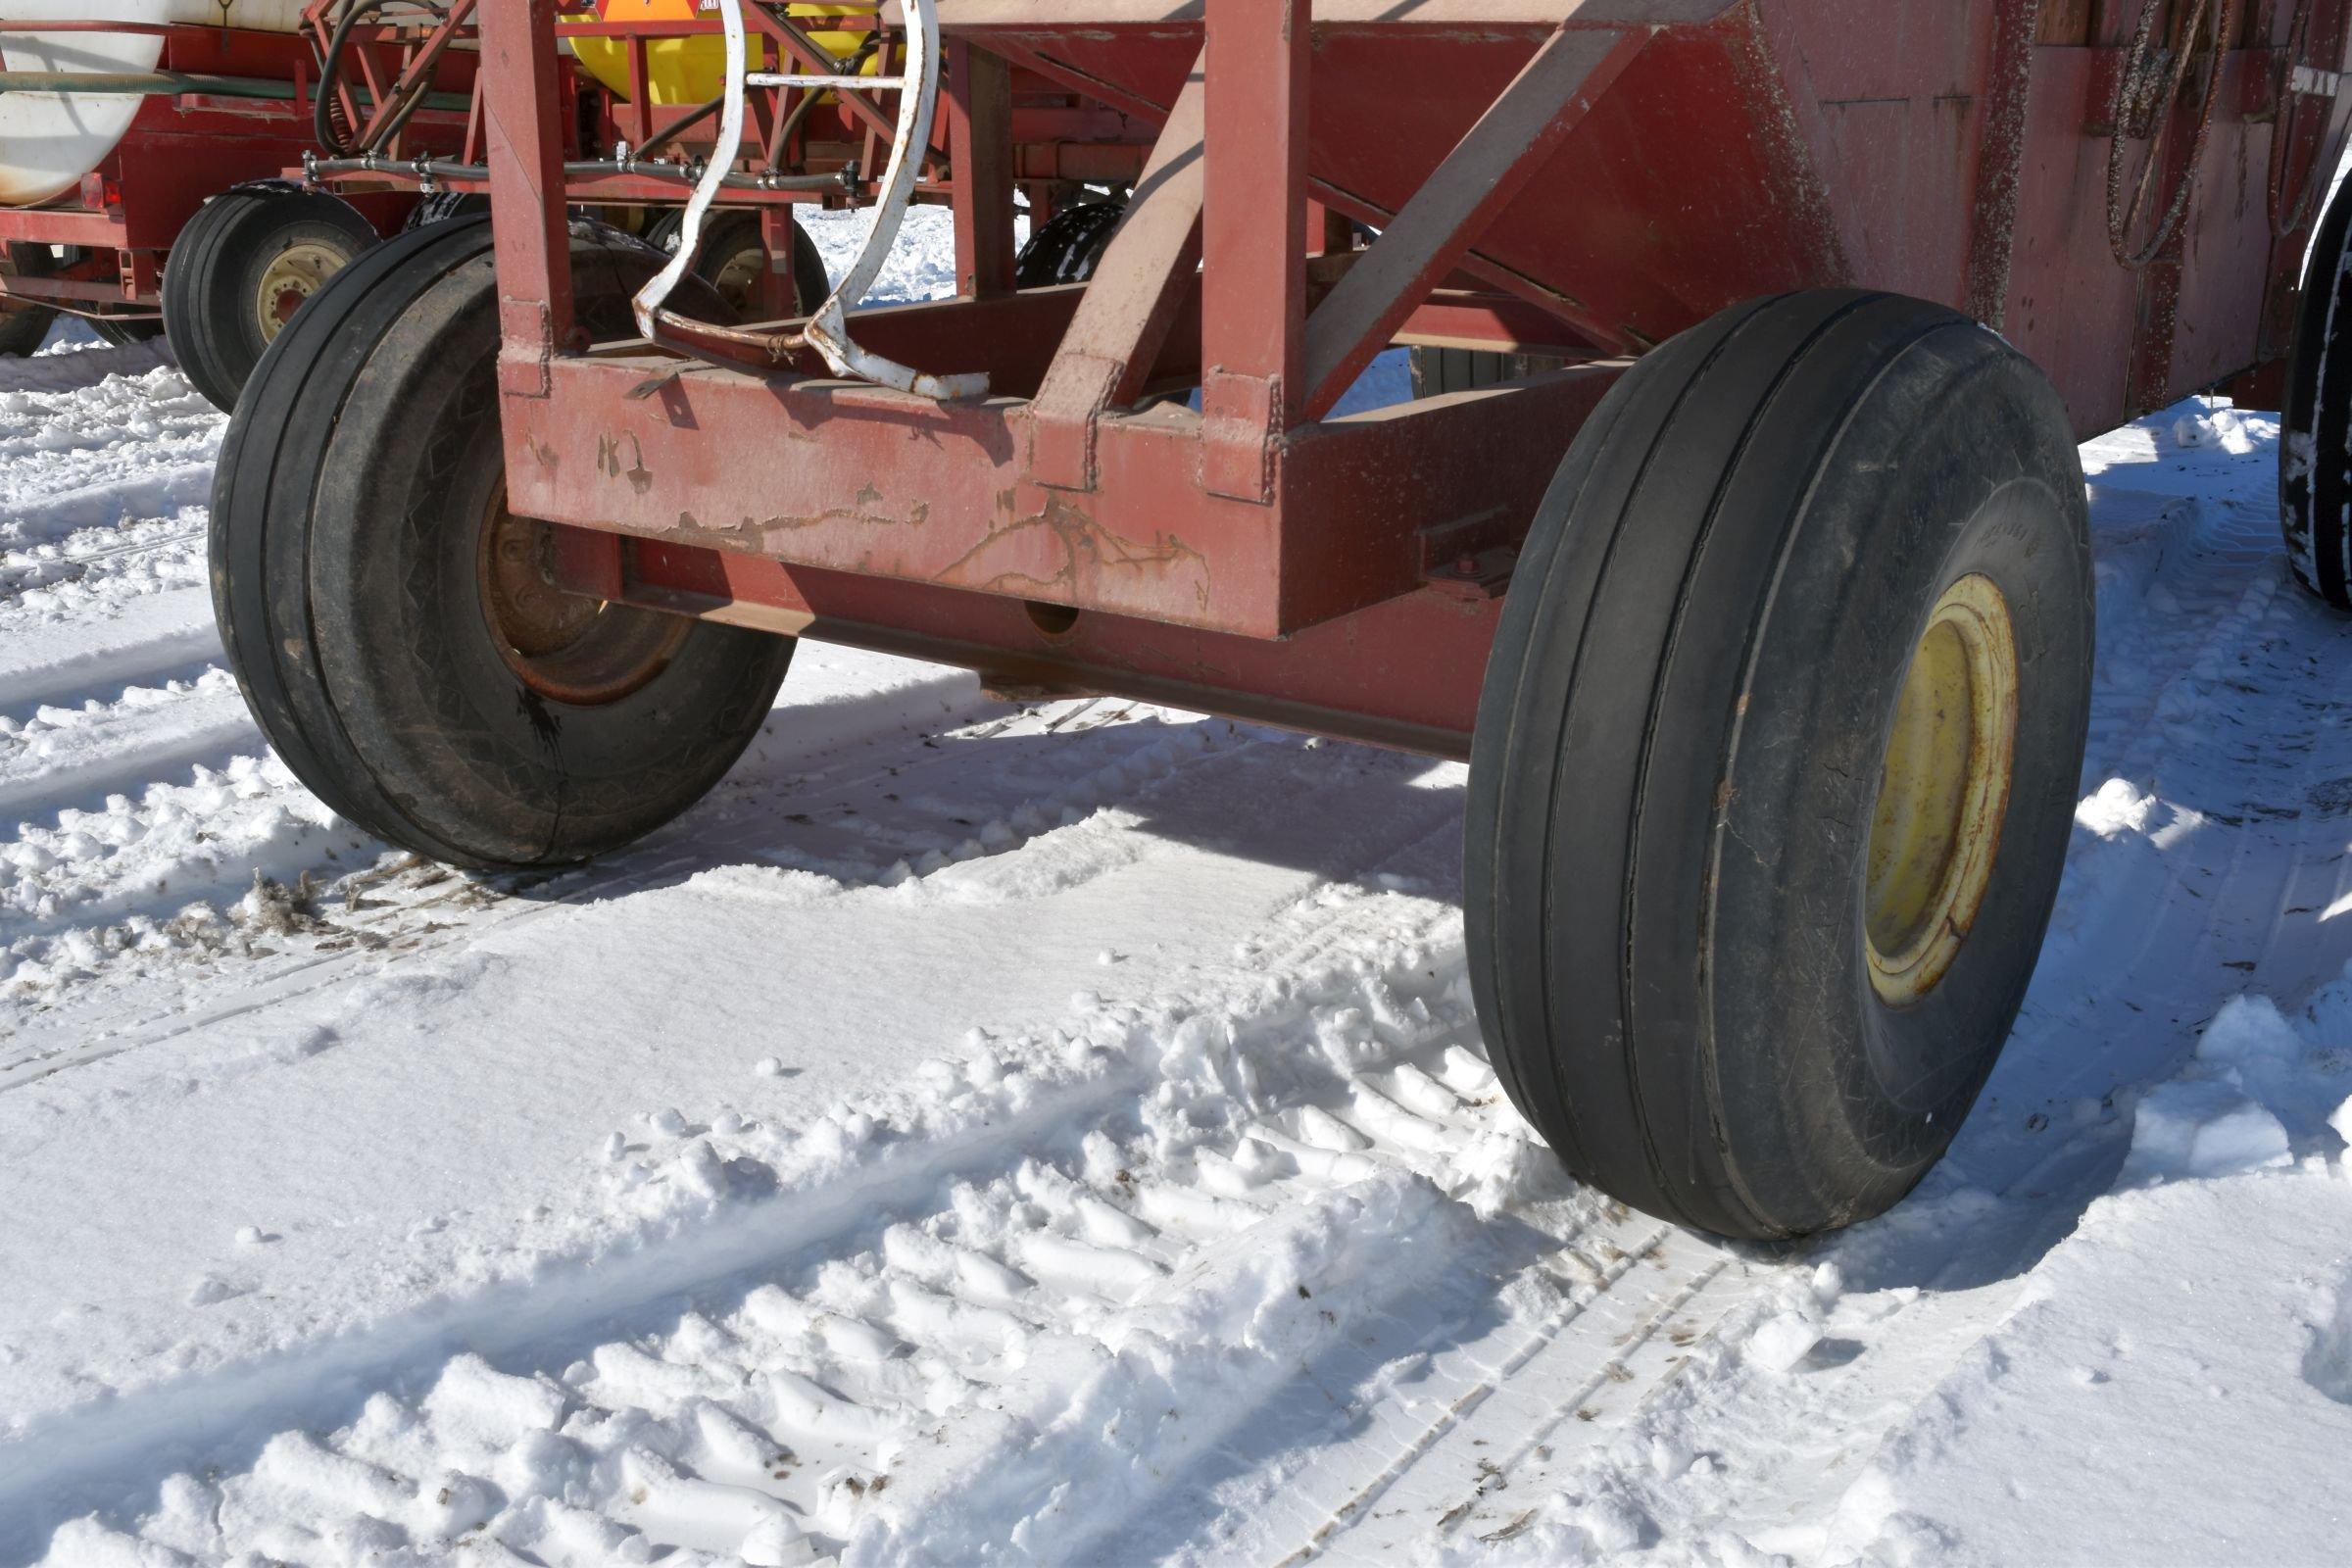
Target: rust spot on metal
(608, 459)
(1086, 550)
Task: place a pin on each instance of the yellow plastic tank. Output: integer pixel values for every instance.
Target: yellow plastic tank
(691, 71)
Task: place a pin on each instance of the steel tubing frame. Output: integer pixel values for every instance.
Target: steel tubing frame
(1256, 559)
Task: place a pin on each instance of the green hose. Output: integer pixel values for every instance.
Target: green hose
(173, 84)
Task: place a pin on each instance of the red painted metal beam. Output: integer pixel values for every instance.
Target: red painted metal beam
(979, 116)
(1107, 356)
(1253, 241)
(856, 478)
(1403, 674)
(530, 226)
(1477, 180)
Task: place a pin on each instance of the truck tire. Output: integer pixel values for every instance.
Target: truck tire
(23, 328)
(1068, 247)
(1777, 758)
(1439, 370)
(2315, 436)
(733, 253)
(391, 624)
(240, 268)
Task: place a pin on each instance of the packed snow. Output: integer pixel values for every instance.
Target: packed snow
(1011, 1131)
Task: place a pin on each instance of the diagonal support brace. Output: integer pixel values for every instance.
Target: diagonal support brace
(1479, 178)
(1129, 304)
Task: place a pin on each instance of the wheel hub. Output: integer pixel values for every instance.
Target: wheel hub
(1943, 792)
(737, 280)
(566, 646)
(293, 275)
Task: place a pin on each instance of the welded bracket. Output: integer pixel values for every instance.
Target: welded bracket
(1240, 421)
(1120, 324)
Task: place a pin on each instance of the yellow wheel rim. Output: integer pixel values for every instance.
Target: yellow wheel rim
(293, 275)
(1944, 791)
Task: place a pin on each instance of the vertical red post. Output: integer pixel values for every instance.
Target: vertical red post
(1252, 240)
(980, 147)
(525, 148)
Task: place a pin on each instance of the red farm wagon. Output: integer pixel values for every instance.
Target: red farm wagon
(1760, 604)
(162, 128)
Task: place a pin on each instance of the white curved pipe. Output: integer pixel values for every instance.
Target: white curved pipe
(657, 290)
(917, 87)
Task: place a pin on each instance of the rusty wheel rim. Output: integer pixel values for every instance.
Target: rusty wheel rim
(565, 647)
(1943, 792)
(737, 280)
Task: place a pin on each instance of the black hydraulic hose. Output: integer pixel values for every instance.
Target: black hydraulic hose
(172, 85)
(321, 111)
(677, 129)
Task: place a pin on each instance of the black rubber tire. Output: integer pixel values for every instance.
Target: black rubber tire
(23, 328)
(214, 272)
(2315, 437)
(1068, 247)
(444, 204)
(346, 526)
(1439, 370)
(125, 330)
(1678, 744)
(726, 236)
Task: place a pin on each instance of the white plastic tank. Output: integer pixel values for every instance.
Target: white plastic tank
(49, 140)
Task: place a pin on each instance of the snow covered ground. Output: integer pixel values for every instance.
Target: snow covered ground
(994, 1131)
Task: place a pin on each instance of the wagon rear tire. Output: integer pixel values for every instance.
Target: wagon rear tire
(2315, 438)
(1776, 760)
(392, 625)
(23, 328)
(239, 270)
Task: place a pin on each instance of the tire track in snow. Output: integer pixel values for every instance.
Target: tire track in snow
(427, 909)
(1045, 1236)
(2167, 914)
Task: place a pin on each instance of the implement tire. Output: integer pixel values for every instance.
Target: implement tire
(239, 271)
(1777, 759)
(391, 624)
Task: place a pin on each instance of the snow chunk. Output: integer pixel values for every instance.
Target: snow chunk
(1781, 1343)
(2202, 1129)
(2260, 1086)
(2117, 809)
(2222, 429)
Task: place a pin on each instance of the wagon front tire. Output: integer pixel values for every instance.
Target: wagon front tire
(394, 625)
(1777, 759)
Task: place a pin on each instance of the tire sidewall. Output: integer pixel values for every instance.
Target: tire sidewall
(464, 746)
(1869, 1095)
(2315, 446)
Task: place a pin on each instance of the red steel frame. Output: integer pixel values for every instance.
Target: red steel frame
(1579, 178)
